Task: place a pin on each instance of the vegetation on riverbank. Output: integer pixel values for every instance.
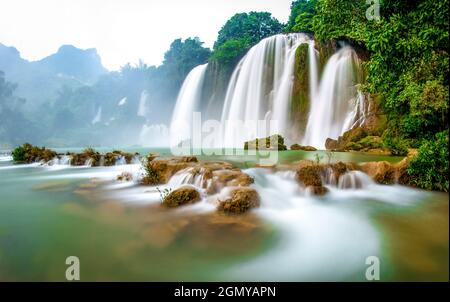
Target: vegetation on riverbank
(407, 69)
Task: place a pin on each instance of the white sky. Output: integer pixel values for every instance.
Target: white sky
(121, 30)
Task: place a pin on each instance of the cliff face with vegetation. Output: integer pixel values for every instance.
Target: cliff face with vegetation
(406, 63)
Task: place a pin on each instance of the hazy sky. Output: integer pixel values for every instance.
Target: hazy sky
(121, 30)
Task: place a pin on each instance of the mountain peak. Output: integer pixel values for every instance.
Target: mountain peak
(84, 64)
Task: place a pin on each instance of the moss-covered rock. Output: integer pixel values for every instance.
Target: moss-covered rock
(28, 153)
(159, 171)
(300, 92)
(88, 156)
(181, 196)
(241, 200)
(381, 172)
(303, 148)
(273, 142)
(309, 176)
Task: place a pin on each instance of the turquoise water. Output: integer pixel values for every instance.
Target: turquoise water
(120, 232)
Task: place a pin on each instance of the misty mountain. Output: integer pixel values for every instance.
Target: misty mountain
(39, 81)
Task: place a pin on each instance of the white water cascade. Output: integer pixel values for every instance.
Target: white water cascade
(338, 105)
(187, 102)
(261, 87)
(98, 116)
(143, 109)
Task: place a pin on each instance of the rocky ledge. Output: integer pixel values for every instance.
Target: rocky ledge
(211, 176)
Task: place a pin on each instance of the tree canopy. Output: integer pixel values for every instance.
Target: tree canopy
(241, 32)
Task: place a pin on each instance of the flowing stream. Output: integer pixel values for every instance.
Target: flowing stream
(119, 230)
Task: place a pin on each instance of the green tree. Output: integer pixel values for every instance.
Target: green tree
(301, 17)
(241, 32)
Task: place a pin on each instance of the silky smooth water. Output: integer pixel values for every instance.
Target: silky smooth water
(120, 232)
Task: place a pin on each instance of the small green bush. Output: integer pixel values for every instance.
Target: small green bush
(19, 153)
(429, 170)
(397, 144)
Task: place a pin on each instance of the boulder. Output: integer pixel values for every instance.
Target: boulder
(401, 172)
(304, 163)
(181, 196)
(317, 190)
(309, 176)
(228, 178)
(273, 142)
(241, 200)
(331, 144)
(159, 171)
(381, 172)
(303, 148)
(28, 153)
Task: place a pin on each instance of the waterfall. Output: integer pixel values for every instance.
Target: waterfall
(189, 176)
(338, 105)
(98, 116)
(354, 180)
(122, 102)
(187, 102)
(261, 86)
(143, 104)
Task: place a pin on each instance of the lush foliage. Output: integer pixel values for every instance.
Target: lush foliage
(241, 32)
(19, 153)
(409, 55)
(408, 65)
(182, 57)
(430, 167)
(302, 13)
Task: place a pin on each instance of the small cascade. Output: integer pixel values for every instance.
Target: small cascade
(120, 161)
(136, 160)
(98, 116)
(189, 176)
(354, 180)
(88, 162)
(261, 87)
(122, 102)
(338, 104)
(187, 102)
(60, 161)
(143, 109)
(5, 157)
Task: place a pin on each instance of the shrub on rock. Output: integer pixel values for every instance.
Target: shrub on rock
(181, 196)
(241, 200)
(273, 142)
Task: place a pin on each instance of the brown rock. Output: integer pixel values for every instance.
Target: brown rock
(181, 196)
(241, 200)
(401, 172)
(381, 172)
(309, 176)
(303, 148)
(331, 144)
(317, 190)
(305, 163)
